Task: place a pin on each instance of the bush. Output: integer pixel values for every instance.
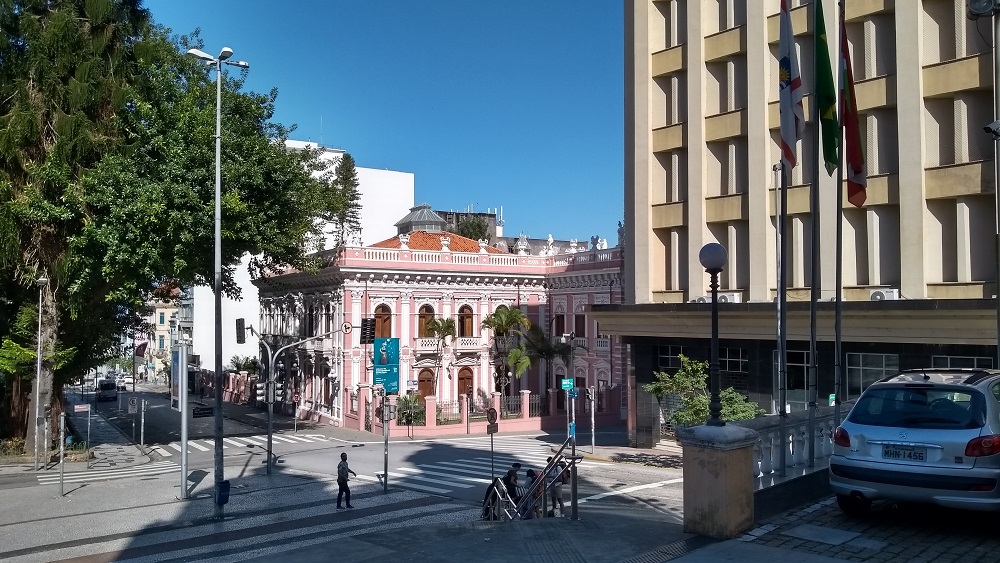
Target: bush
(411, 410)
(12, 447)
(690, 384)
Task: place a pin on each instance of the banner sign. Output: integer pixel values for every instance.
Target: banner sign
(175, 380)
(387, 364)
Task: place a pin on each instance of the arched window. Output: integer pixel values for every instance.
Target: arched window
(426, 315)
(425, 383)
(383, 322)
(465, 328)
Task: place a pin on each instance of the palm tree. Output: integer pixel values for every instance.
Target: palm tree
(440, 328)
(542, 347)
(505, 323)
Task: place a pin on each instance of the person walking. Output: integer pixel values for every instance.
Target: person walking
(556, 476)
(342, 470)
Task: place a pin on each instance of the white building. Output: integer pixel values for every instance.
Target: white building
(386, 195)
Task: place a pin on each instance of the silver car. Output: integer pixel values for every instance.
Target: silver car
(929, 436)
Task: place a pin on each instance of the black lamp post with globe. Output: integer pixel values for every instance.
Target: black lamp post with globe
(713, 257)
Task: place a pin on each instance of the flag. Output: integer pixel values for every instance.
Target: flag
(854, 153)
(790, 91)
(140, 346)
(826, 93)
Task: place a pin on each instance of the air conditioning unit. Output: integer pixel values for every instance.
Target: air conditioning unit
(703, 299)
(883, 294)
(730, 297)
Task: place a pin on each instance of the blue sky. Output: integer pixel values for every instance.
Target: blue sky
(516, 103)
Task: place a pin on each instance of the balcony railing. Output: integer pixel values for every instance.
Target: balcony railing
(603, 345)
(581, 343)
(426, 344)
(467, 343)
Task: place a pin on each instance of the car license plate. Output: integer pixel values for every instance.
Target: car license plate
(904, 453)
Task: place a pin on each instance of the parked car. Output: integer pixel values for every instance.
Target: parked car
(107, 390)
(923, 435)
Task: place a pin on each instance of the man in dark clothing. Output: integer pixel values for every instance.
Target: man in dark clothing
(510, 481)
(342, 472)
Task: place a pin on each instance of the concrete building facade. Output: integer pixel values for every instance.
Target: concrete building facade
(701, 143)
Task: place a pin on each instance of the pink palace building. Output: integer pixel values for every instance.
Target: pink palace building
(425, 273)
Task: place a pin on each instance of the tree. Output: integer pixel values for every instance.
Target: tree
(347, 199)
(544, 348)
(248, 364)
(107, 183)
(690, 384)
(441, 329)
(506, 323)
(474, 227)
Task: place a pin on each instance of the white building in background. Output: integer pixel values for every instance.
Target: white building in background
(386, 195)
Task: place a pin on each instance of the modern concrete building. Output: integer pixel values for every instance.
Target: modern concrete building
(701, 141)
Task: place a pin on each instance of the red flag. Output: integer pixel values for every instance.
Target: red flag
(857, 178)
(790, 92)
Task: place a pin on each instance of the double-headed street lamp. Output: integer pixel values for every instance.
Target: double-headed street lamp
(42, 282)
(713, 257)
(223, 58)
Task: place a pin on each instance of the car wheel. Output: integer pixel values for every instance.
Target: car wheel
(853, 506)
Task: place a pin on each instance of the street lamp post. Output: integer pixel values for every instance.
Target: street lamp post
(223, 58)
(42, 282)
(713, 257)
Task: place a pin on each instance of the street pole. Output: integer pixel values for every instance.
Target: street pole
(142, 426)
(219, 466)
(89, 411)
(593, 407)
(183, 404)
(42, 282)
(713, 257)
(574, 515)
(62, 450)
(996, 165)
(385, 433)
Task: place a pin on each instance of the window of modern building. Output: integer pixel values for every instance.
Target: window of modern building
(796, 396)
(949, 362)
(161, 342)
(426, 315)
(668, 358)
(383, 322)
(580, 325)
(865, 369)
(733, 360)
(162, 317)
(465, 322)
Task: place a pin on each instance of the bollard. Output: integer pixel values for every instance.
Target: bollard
(222, 497)
(62, 450)
(142, 425)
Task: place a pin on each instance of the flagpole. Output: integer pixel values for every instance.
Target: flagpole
(838, 298)
(814, 282)
(780, 208)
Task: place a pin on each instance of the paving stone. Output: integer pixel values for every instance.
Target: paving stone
(831, 536)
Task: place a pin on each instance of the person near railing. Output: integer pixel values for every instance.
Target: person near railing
(510, 481)
(532, 509)
(555, 477)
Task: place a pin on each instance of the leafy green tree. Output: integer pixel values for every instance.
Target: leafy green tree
(505, 323)
(474, 227)
(107, 183)
(690, 384)
(346, 200)
(441, 329)
(248, 364)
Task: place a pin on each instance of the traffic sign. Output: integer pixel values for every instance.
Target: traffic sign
(133, 405)
(295, 397)
(492, 429)
(81, 408)
(567, 384)
(347, 327)
(573, 393)
(572, 429)
(202, 412)
(491, 415)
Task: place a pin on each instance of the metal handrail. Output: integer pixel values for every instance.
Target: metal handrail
(541, 481)
(500, 499)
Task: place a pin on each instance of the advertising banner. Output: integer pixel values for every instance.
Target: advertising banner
(387, 364)
(175, 380)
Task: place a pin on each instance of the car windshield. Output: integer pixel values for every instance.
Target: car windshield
(107, 386)
(925, 407)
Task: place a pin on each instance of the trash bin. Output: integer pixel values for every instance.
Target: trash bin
(223, 493)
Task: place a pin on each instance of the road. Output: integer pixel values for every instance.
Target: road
(456, 468)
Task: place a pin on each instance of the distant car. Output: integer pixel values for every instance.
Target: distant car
(925, 435)
(129, 380)
(107, 390)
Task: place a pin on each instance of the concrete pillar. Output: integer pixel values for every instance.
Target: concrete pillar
(430, 402)
(718, 489)
(363, 395)
(525, 402)
(463, 409)
(553, 400)
(495, 400)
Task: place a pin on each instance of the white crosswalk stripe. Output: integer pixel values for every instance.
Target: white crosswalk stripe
(205, 445)
(156, 468)
(197, 446)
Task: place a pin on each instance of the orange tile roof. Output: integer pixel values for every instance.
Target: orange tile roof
(423, 240)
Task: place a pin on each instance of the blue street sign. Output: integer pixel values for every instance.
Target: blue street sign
(567, 384)
(573, 393)
(572, 429)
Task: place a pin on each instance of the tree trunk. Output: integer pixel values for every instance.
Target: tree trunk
(43, 386)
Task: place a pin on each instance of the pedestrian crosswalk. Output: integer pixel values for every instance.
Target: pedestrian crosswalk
(231, 442)
(473, 471)
(156, 468)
